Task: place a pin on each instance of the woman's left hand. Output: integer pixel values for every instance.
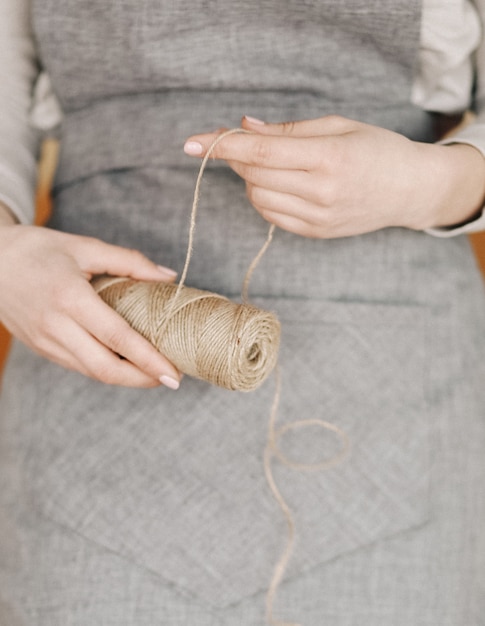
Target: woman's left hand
(335, 177)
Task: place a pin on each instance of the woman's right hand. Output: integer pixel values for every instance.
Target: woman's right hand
(47, 301)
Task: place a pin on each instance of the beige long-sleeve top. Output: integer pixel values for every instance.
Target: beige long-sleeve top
(451, 57)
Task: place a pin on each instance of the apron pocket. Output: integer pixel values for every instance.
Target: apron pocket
(175, 481)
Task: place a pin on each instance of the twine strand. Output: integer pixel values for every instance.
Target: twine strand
(255, 263)
(193, 215)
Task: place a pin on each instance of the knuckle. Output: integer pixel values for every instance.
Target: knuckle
(328, 194)
(262, 152)
(116, 338)
(288, 128)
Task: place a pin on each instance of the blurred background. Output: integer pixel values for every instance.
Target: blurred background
(46, 172)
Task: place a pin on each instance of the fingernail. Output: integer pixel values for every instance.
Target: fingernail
(254, 120)
(167, 271)
(171, 383)
(193, 148)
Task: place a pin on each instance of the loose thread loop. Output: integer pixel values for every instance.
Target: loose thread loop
(282, 563)
(272, 449)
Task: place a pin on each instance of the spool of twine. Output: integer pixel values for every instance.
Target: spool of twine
(204, 334)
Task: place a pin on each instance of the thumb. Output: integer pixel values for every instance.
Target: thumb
(97, 257)
(327, 125)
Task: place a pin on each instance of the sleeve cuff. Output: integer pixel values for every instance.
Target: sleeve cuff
(473, 226)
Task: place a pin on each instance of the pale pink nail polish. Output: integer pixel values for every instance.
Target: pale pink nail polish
(169, 382)
(193, 148)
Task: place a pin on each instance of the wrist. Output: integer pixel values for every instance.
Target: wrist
(460, 186)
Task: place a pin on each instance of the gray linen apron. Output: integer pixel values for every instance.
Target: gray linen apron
(132, 507)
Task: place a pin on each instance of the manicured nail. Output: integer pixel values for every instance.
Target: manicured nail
(254, 120)
(167, 271)
(169, 382)
(193, 148)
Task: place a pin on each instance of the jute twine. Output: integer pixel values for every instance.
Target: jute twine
(231, 345)
(204, 335)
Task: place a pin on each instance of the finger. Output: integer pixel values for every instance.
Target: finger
(97, 257)
(327, 125)
(274, 152)
(268, 201)
(293, 224)
(294, 182)
(109, 368)
(93, 359)
(87, 356)
(302, 184)
(109, 328)
(51, 349)
(115, 333)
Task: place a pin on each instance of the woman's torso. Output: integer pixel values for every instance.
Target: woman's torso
(364, 318)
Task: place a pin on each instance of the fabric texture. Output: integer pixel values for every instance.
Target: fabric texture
(135, 507)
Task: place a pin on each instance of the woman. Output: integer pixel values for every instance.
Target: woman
(127, 505)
